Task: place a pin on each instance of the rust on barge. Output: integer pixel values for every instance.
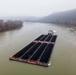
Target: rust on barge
(38, 51)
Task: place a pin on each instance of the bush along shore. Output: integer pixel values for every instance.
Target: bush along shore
(9, 25)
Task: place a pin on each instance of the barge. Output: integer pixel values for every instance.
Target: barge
(38, 52)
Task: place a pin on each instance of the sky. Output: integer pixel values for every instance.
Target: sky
(36, 8)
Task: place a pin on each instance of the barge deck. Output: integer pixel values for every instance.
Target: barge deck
(38, 51)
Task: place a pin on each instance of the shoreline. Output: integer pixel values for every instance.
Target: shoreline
(10, 25)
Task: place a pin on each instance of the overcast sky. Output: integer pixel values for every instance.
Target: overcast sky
(37, 8)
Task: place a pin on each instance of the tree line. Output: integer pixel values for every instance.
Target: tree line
(8, 25)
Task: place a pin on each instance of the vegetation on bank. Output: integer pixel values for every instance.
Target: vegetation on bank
(9, 25)
(68, 23)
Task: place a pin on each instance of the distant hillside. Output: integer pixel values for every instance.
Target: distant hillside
(66, 17)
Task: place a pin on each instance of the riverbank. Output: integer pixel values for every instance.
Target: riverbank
(10, 25)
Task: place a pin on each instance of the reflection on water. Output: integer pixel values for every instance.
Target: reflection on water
(63, 57)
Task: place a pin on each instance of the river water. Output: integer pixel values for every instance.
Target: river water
(63, 60)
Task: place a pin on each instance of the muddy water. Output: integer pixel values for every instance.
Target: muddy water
(63, 60)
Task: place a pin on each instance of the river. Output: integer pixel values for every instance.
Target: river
(63, 60)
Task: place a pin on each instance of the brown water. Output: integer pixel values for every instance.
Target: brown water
(63, 60)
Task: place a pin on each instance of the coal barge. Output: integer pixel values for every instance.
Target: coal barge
(38, 51)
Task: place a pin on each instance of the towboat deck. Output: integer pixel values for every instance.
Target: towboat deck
(38, 51)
